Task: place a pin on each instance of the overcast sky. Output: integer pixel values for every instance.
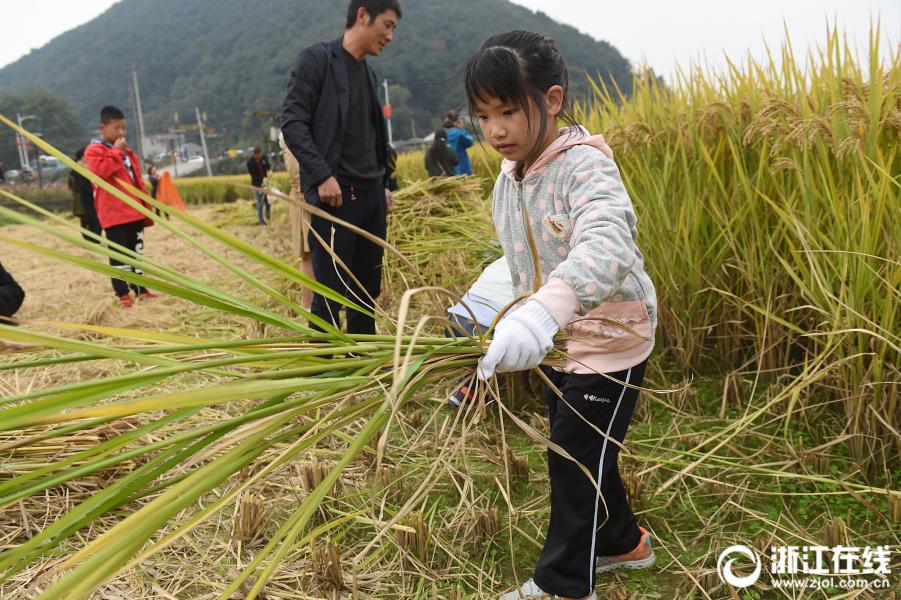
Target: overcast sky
(660, 32)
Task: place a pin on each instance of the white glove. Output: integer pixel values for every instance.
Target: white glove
(521, 341)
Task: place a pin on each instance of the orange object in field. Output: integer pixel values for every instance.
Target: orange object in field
(167, 194)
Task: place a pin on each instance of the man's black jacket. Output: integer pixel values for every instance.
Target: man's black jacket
(256, 174)
(11, 294)
(314, 114)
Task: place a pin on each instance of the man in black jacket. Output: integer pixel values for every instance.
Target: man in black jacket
(333, 123)
(11, 296)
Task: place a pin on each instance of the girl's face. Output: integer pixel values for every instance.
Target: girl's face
(506, 126)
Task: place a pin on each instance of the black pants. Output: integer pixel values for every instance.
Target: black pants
(130, 235)
(89, 218)
(364, 209)
(580, 527)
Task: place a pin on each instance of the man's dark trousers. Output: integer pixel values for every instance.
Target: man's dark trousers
(364, 209)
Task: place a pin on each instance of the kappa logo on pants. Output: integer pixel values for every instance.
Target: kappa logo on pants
(593, 398)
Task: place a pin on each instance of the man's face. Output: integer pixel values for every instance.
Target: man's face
(113, 130)
(380, 32)
(258, 155)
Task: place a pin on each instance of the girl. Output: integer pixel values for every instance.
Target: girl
(560, 192)
(440, 160)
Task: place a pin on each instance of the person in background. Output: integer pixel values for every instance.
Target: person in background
(11, 296)
(258, 167)
(459, 140)
(153, 175)
(2, 172)
(333, 124)
(440, 160)
(110, 158)
(83, 199)
(300, 221)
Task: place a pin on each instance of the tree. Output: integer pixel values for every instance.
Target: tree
(55, 120)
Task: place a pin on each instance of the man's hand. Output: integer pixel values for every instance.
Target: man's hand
(330, 192)
(121, 144)
(521, 341)
(389, 200)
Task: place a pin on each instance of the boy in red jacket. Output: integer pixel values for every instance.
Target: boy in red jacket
(110, 158)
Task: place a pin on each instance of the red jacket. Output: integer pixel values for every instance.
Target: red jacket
(108, 162)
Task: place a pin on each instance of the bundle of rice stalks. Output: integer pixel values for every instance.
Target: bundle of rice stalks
(326, 565)
(485, 524)
(415, 538)
(519, 466)
(312, 474)
(250, 521)
(390, 479)
(443, 226)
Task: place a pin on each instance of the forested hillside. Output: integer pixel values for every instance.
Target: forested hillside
(232, 58)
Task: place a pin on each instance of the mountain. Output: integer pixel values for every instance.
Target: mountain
(231, 58)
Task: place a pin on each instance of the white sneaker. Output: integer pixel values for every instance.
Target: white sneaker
(530, 591)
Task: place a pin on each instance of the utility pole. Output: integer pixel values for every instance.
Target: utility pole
(206, 155)
(172, 143)
(388, 112)
(37, 164)
(140, 115)
(22, 145)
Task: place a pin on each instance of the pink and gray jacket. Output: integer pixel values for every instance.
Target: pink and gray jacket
(592, 276)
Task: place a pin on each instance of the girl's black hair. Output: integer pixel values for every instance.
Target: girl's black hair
(438, 144)
(518, 68)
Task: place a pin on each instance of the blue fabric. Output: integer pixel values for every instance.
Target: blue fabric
(459, 140)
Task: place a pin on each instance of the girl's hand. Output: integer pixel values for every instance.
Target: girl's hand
(521, 341)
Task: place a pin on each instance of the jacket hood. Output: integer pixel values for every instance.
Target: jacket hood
(568, 138)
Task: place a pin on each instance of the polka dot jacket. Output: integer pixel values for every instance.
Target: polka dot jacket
(589, 273)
